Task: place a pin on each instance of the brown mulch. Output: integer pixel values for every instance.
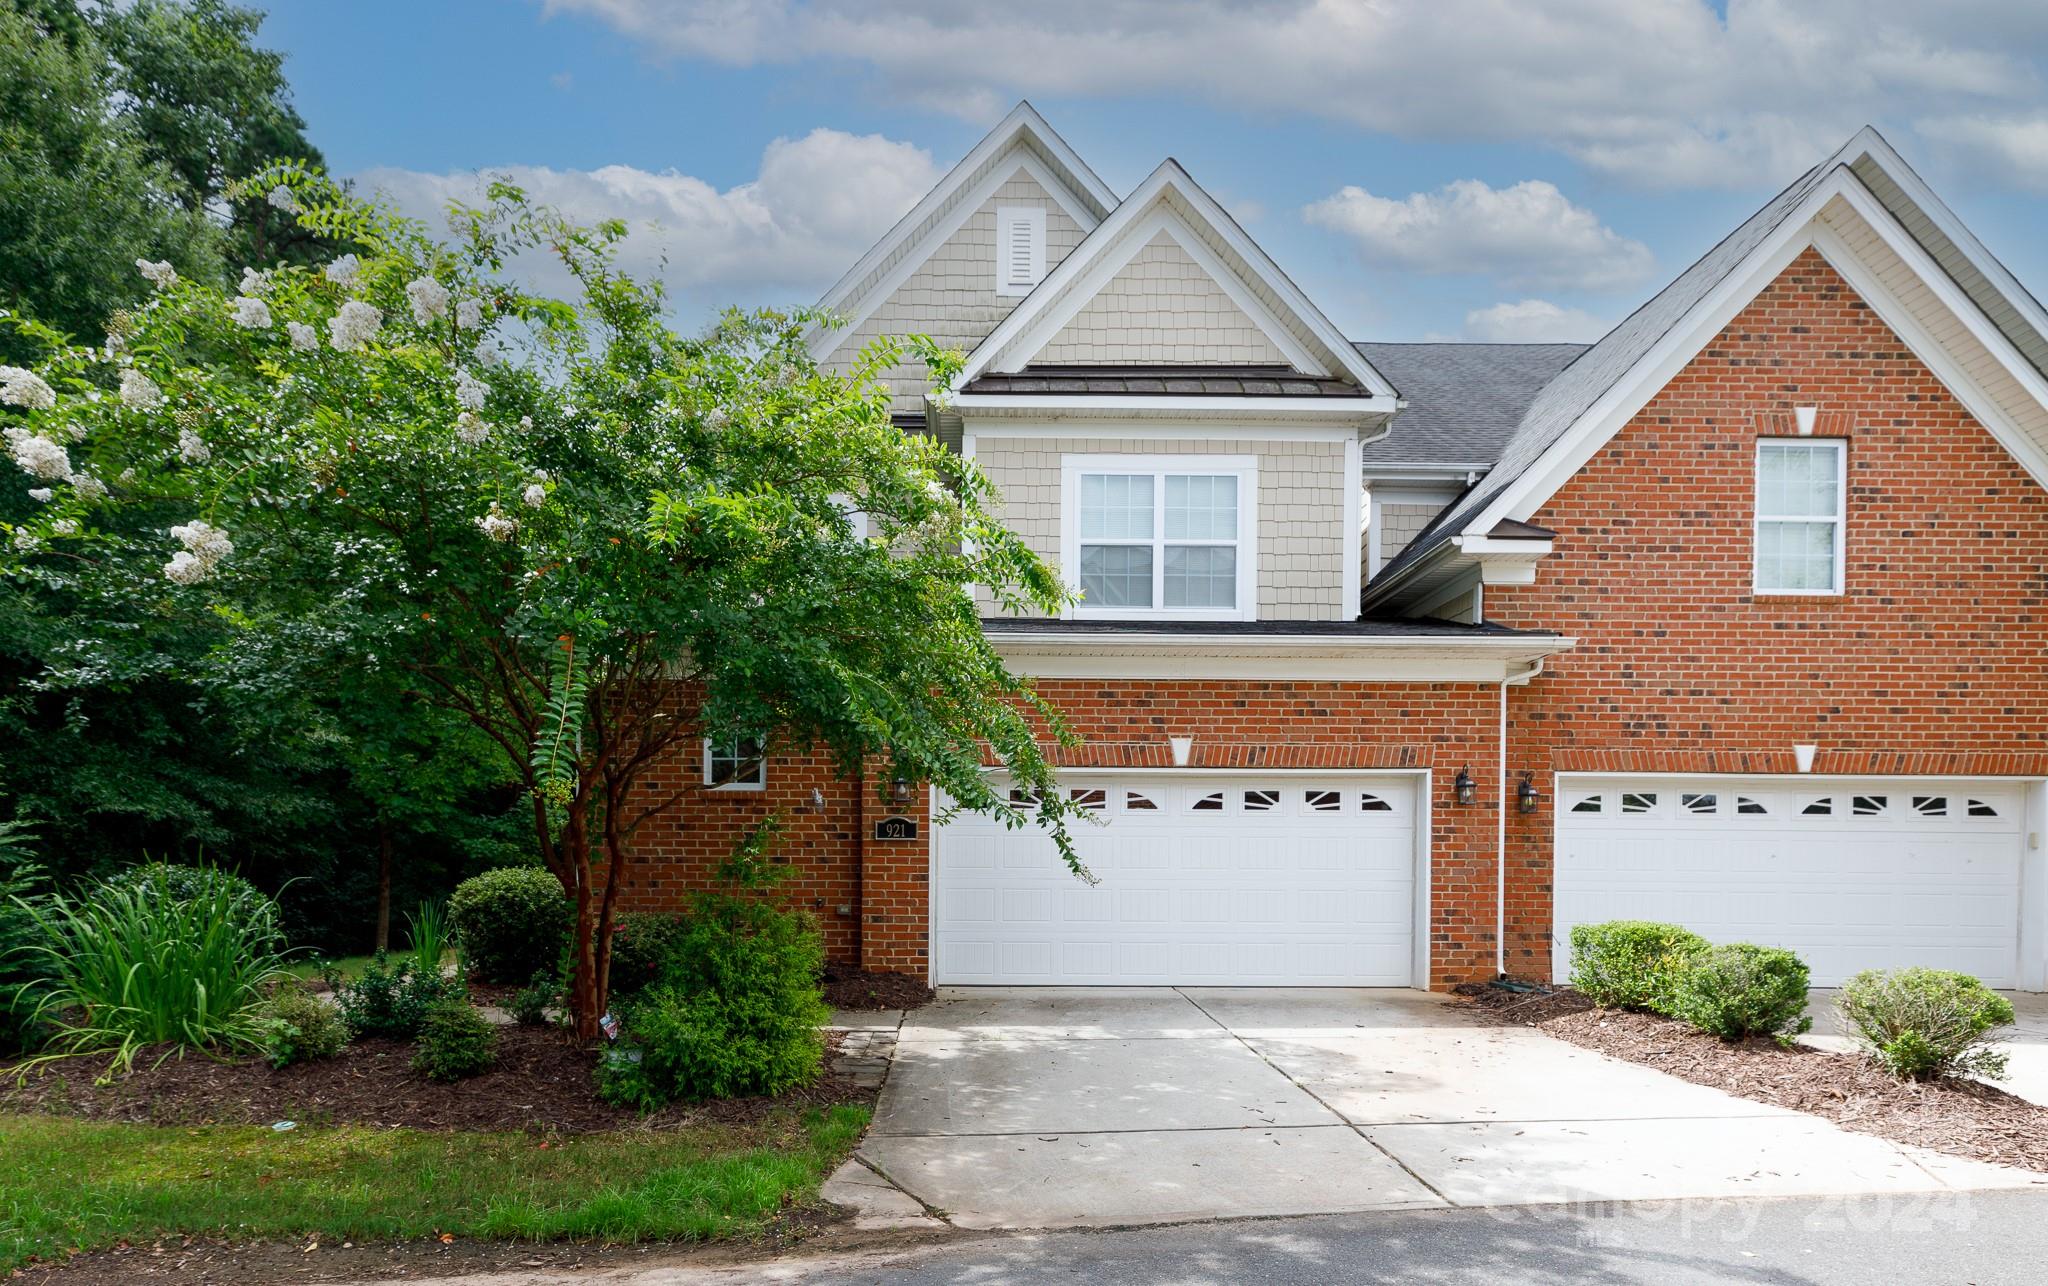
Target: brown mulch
(1957, 1116)
(543, 1082)
(849, 988)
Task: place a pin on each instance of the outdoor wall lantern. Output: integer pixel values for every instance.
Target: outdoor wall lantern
(899, 790)
(1468, 790)
(1525, 794)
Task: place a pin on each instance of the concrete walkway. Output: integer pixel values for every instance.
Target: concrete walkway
(1048, 1108)
(2026, 1046)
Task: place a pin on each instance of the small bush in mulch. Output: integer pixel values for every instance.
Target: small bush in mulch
(1633, 964)
(298, 1027)
(455, 1042)
(530, 1004)
(1740, 989)
(1961, 1117)
(1923, 1023)
(510, 922)
(391, 997)
(849, 988)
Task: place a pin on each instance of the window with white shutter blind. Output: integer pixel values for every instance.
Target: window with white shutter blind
(1020, 248)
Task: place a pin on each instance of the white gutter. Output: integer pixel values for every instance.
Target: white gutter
(1500, 835)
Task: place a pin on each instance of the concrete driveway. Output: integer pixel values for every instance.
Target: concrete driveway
(2025, 1046)
(1042, 1108)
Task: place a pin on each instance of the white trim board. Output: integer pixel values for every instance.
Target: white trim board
(1159, 430)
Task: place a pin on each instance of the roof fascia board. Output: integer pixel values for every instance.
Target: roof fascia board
(1432, 560)
(1108, 405)
(823, 342)
(1165, 430)
(1411, 660)
(1043, 329)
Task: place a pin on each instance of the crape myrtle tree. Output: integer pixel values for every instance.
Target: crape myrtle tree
(591, 538)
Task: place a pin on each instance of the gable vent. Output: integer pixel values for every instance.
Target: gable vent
(1020, 248)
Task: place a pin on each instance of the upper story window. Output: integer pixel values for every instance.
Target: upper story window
(736, 764)
(1020, 248)
(1799, 502)
(1168, 536)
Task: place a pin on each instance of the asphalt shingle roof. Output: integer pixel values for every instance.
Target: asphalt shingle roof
(1464, 400)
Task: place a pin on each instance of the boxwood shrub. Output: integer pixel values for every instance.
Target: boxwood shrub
(1632, 964)
(455, 1041)
(510, 923)
(1740, 989)
(1926, 1023)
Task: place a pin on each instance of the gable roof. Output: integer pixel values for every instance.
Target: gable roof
(1463, 400)
(1169, 198)
(1022, 132)
(1598, 374)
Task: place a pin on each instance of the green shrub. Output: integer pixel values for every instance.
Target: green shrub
(131, 965)
(392, 997)
(530, 1003)
(178, 882)
(641, 944)
(22, 971)
(735, 1011)
(1632, 964)
(510, 923)
(1741, 989)
(1926, 1023)
(299, 1027)
(456, 1040)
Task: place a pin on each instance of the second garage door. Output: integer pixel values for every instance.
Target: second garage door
(1253, 881)
(1852, 874)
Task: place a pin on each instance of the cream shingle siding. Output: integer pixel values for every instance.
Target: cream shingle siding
(1162, 306)
(952, 295)
(1301, 508)
(1947, 329)
(1401, 523)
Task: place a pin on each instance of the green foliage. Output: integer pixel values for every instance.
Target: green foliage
(1740, 989)
(299, 1027)
(1927, 1023)
(455, 1041)
(177, 882)
(510, 923)
(130, 967)
(21, 970)
(642, 942)
(1632, 964)
(392, 997)
(530, 1004)
(87, 1185)
(428, 936)
(736, 1011)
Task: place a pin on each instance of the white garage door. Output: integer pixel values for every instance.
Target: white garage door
(1250, 881)
(1851, 874)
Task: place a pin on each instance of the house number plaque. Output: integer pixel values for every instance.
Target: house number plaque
(896, 828)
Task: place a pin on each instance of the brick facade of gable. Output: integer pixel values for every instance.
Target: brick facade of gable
(1932, 661)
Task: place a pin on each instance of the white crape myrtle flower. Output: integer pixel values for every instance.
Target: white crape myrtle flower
(38, 457)
(205, 546)
(281, 198)
(159, 274)
(355, 325)
(429, 299)
(497, 524)
(26, 541)
(469, 313)
(193, 447)
(526, 426)
(251, 313)
(41, 495)
(486, 355)
(471, 428)
(64, 527)
(715, 420)
(304, 337)
(88, 487)
(254, 282)
(184, 569)
(470, 391)
(342, 272)
(535, 495)
(139, 391)
(19, 387)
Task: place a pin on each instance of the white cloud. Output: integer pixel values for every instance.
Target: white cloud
(1533, 321)
(2016, 147)
(1527, 237)
(815, 206)
(1666, 93)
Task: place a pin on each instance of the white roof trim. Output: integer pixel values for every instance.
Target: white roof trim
(1021, 326)
(1523, 497)
(1056, 654)
(1022, 125)
(1109, 404)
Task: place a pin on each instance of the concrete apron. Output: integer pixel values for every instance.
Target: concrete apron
(2025, 1046)
(1048, 1108)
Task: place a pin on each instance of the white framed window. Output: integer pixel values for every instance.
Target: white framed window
(1020, 248)
(735, 764)
(1161, 536)
(1800, 490)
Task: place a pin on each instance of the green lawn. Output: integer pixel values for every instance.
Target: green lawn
(67, 1183)
(349, 967)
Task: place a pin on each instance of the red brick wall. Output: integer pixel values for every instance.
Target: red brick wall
(1932, 661)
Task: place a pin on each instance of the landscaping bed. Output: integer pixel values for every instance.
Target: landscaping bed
(542, 1082)
(849, 988)
(1957, 1116)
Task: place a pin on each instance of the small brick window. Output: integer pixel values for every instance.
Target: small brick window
(737, 764)
(1799, 499)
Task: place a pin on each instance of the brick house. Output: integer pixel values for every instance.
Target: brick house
(1395, 661)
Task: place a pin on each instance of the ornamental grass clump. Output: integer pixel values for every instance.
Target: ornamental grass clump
(128, 968)
(1923, 1024)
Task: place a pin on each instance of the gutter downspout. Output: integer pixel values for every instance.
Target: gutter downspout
(1500, 835)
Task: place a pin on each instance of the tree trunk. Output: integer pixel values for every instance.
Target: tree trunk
(383, 885)
(586, 979)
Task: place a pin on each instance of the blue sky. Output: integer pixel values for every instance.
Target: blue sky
(1424, 168)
